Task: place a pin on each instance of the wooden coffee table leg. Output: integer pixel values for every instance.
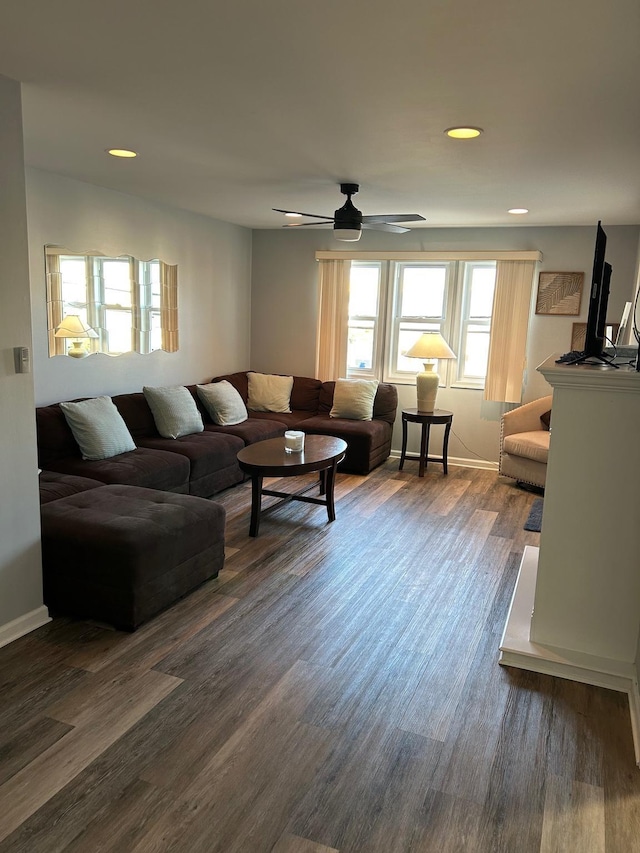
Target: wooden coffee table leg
(330, 482)
(323, 481)
(256, 502)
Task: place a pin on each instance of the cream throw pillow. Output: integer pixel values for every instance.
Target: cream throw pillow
(269, 393)
(98, 428)
(223, 403)
(353, 399)
(174, 411)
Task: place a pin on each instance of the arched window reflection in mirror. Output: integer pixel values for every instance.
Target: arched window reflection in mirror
(132, 305)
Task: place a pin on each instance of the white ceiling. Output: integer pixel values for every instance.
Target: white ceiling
(240, 106)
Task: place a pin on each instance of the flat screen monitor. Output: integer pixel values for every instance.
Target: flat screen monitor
(598, 300)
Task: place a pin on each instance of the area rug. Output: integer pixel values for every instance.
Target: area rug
(534, 522)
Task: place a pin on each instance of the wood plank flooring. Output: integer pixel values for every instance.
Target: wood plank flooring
(335, 690)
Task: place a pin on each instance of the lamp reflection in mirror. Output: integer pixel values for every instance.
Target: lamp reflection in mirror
(430, 345)
(77, 330)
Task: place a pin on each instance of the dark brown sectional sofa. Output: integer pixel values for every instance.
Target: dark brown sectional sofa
(129, 512)
(205, 463)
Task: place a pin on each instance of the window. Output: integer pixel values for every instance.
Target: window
(115, 287)
(392, 302)
(475, 321)
(364, 337)
(122, 298)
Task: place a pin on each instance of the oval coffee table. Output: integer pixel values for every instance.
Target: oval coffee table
(269, 459)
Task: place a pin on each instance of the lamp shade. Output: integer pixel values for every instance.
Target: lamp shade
(73, 327)
(430, 345)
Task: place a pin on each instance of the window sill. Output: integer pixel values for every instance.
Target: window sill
(468, 385)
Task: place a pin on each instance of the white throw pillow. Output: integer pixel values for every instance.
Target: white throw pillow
(223, 403)
(269, 393)
(353, 399)
(174, 411)
(98, 428)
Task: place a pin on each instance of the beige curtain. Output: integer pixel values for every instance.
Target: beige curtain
(169, 306)
(57, 346)
(509, 326)
(333, 319)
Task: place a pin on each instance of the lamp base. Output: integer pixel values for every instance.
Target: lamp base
(427, 388)
(77, 350)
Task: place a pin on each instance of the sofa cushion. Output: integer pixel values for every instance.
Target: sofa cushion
(151, 469)
(174, 411)
(98, 428)
(353, 399)
(223, 403)
(54, 486)
(269, 392)
(368, 442)
(211, 458)
(252, 430)
(532, 445)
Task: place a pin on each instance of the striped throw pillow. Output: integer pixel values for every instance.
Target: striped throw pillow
(98, 428)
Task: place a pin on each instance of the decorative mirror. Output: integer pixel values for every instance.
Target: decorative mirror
(111, 305)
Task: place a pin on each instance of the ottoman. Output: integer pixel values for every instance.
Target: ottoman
(121, 554)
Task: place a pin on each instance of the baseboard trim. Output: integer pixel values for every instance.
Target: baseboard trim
(23, 625)
(460, 462)
(516, 649)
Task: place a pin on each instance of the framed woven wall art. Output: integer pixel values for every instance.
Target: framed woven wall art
(559, 293)
(578, 336)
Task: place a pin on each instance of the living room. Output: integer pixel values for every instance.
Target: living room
(248, 295)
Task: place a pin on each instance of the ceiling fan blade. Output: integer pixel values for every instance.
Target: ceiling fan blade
(384, 226)
(299, 213)
(395, 217)
(306, 224)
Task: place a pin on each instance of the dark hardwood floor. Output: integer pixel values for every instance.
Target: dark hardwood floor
(336, 689)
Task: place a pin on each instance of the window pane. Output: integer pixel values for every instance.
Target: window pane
(360, 345)
(476, 353)
(117, 283)
(363, 291)
(483, 281)
(156, 332)
(74, 280)
(407, 336)
(422, 291)
(152, 275)
(118, 325)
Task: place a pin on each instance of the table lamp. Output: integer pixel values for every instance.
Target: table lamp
(430, 345)
(73, 327)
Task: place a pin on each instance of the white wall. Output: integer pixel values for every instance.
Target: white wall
(20, 576)
(214, 285)
(284, 306)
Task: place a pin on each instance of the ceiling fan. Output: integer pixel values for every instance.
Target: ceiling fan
(348, 221)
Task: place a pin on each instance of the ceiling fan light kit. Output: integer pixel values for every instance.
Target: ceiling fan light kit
(348, 221)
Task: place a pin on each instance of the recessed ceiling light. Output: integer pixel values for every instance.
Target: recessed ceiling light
(463, 132)
(122, 152)
(293, 214)
(518, 211)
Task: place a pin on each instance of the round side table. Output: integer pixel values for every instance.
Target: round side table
(425, 419)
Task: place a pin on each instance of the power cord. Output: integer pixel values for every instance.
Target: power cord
(465, 446)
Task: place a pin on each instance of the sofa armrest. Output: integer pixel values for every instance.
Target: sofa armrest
(526, 418)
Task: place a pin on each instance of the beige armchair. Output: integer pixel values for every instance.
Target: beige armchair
(524, 443)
